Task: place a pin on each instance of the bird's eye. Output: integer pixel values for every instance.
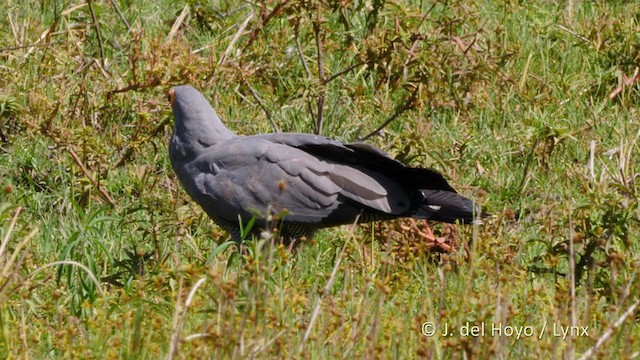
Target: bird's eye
(171, 96)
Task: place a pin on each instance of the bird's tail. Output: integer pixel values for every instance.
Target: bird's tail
(449, 207)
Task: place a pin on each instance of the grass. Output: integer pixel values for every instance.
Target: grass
(530, 108)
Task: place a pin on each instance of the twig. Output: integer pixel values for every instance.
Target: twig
(579, 36)
(31, 46)
(103, 193)
(463, 46)
(300, 53)
(264, 107)
(320, 100)
(266, 21)
(128, 151)
(121, 15)
(525, 171)
(306, 69)
(178, 23)
(342, 72)
(408, 104)
(137, 86)
(607, 334)
(313, 116)
(98, 35)
(101, 68)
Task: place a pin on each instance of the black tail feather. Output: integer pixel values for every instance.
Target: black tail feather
(448, 207)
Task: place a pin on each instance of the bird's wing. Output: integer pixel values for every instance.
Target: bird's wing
(257, 173)
(364, 156)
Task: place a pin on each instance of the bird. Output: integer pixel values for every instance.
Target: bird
(307, 181)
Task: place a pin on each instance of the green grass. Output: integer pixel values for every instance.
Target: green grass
(109, 258)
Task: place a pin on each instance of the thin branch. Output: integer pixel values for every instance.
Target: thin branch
(134, 87)
(320, 100)
(300, 53)
(529, 160)
(31, 46)
(624, 80)
(416, 41)
(313, 115)
(127, 152)
(306, 68)
(342, 72)
(572, 32)
(408, 104)
(121, 15)
(103, 193)
(264, 107)
(265, 22)
(99, 36)
(320, 106)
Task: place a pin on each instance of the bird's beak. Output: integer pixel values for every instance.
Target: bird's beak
(171, 96)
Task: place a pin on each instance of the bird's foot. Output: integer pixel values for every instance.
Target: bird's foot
(432, 241)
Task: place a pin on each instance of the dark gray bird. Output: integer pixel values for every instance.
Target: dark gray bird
(316, 182)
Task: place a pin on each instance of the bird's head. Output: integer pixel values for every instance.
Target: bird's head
(196, 123)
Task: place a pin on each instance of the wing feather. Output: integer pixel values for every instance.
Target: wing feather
(249, 175)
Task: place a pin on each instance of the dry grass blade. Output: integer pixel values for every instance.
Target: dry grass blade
(16, 251)
(179, 320)
(30, 46)
(176, 325)
(178, 23)
(325, 291)
(607, 334)
(317, 304)
(33, 46)
(12, 224)
(235, 39)
(8, 272)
